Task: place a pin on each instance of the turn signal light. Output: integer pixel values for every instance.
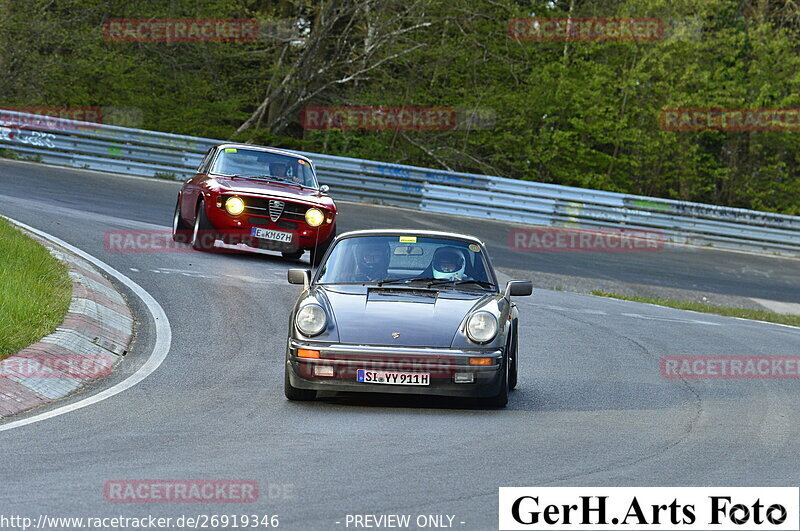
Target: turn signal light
(305, 353)
(480, 361)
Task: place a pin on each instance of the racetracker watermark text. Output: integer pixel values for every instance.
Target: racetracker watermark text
(731, 367)
(715, 119)
(50, 118)
(432, 366)
(378, 118)
(161, 241)
(180, 491)
(585, 29)
(548, 239)
(149, 521)
(72, 366)
(180, 30)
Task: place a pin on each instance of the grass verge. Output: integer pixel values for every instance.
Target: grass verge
(35, 291)
(728, 311)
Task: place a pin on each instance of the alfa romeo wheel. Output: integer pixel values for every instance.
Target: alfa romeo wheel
(180, 230)
(296, 255)
(203, 236)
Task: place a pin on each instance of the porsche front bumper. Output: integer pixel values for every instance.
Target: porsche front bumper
(441, 364)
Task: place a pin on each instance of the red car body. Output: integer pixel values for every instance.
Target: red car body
(276, 208)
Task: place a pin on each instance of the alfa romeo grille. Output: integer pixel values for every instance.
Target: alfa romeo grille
(275, 209)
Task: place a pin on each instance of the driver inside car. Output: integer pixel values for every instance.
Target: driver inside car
(372, 261)
(448, 264)
(278, 169)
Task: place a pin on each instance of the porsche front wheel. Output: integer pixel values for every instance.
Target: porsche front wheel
(293, 393)
(501, 399)
(513, 369)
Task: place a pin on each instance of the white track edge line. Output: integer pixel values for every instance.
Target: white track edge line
(160, 349)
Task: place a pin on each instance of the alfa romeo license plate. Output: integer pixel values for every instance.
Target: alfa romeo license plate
(393, 377)
(274, 235)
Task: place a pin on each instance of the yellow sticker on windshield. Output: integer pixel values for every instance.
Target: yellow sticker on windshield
(474, 247)
(408, 239)
(230, 150)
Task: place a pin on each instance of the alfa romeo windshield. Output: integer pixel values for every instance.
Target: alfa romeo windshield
(257, 164)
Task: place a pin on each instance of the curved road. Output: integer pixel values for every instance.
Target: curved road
(591, 408)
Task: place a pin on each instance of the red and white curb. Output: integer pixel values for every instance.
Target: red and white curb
(161, 331)
(92, 339)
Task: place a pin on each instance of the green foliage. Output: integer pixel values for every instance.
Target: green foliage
(36, 288)
(577, 113)
(728, 311)
(166, 175)
(6, 153)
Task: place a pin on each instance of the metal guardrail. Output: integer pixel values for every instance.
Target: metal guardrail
(149, 153)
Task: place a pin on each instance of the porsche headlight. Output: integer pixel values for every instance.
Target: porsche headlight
(234, 206)
(482, 327)
(311, 319)
(314, 217)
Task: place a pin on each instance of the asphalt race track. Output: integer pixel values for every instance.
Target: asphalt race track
(591, 408)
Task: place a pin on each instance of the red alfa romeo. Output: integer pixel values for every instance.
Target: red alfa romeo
(261, 197)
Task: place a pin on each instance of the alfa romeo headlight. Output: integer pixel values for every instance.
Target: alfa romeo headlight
(311, 319)
(482, 327)
(314, 217)
(234, 206)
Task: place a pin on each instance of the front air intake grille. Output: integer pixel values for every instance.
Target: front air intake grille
(275, 209)
(262, 206)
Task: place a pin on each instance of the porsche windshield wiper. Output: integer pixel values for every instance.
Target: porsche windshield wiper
(434, 282)
(443, 282)
(406, 280)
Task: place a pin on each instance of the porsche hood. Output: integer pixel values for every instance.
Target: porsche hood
(399, 317)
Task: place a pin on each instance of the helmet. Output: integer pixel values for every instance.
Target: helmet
(372, 258)
(448, 263)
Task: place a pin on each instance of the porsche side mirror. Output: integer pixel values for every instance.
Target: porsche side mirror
(519, 288)
(324, 189)
(299, 276)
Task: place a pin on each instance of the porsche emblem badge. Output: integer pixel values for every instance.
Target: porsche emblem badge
(395, 335)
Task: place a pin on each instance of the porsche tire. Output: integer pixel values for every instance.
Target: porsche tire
(514, 362)
(203, 236)
(501, 399)
(295, 394)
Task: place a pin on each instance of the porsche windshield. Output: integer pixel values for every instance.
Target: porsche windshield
(407, 260)
(259, 164)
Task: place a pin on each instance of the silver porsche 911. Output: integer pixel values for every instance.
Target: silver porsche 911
(404, 311)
